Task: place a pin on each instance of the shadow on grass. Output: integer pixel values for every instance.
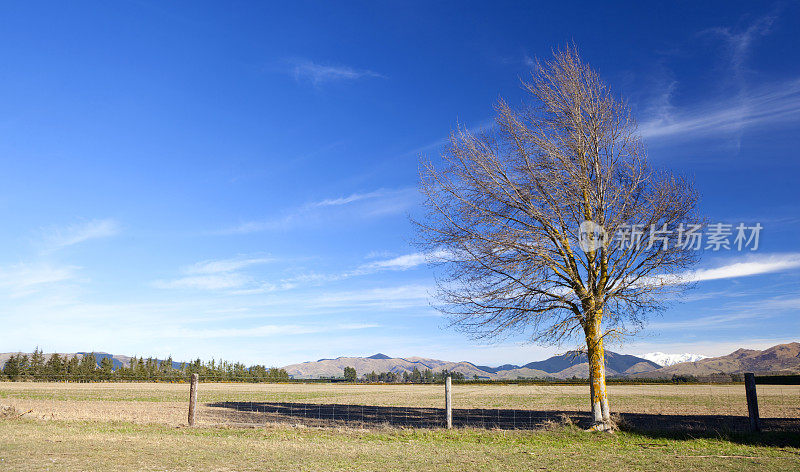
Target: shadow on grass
(780, 432)
(776, 432)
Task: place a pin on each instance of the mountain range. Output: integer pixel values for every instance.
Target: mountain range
(783, 358)
(780, 359)
(568, 365)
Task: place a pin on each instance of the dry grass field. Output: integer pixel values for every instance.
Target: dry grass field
(166, 403)
(141, 426)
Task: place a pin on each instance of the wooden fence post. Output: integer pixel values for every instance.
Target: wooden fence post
(752, 401)
(448, 402)
(192, 397)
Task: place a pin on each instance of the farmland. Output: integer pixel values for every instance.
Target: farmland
(102, 426)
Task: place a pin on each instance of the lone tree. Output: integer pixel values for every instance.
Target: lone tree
(350, 374)
(552, 223)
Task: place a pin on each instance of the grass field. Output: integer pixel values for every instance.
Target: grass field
(62, 426)
(166, 403)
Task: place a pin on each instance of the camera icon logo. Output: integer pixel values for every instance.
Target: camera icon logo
(592, 236)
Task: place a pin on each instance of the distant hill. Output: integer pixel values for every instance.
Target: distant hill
(571, 364)
(780, 359)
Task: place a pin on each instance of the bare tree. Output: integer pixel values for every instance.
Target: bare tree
(506, 208)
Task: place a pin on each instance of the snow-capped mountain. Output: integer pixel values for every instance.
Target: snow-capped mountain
(664, 359)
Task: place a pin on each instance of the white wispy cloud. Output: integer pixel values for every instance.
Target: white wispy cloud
(227, 274)
(376, 203)
(406, 261)
(741, 107)
(736, 315)
(269, 330)
(59, 237)
(256, 226)
(380, 201)
(728, 320)
(403, 296)
(749, 265)
(403, 262)
(439, 144)
(754, 265)
(740, 42)
(225, 265)
(353, 197)
(215, 274)
(318, 74)
(221, 281)
(24, 279)
(777, 103)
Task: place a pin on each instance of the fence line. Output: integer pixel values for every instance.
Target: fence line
(720, 413)
(698, 405)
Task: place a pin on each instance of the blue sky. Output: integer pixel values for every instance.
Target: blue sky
(234, 180)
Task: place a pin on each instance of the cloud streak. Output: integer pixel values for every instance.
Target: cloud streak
(405, 296)
(406, 261)
(753, 265)
(353, 197)
(225, 274)
(778, 103)
(206, 282)
(743, 107)
(268, 330)
(215, 274)
(739, 44)
(757, 265)
(377, 203)
(25, 279)
(57, 238)
(226, 265)
(318, 74)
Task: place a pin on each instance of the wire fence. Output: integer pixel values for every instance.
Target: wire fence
(695, 407)
(319, 414)
(645, 407)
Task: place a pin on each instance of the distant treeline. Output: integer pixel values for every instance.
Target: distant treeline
(427, 376)
(22, 367)
(415, 376)
(675, 379)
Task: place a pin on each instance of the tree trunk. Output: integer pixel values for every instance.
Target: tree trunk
(601, 416)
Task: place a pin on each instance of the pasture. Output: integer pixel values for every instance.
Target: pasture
(141, 426)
